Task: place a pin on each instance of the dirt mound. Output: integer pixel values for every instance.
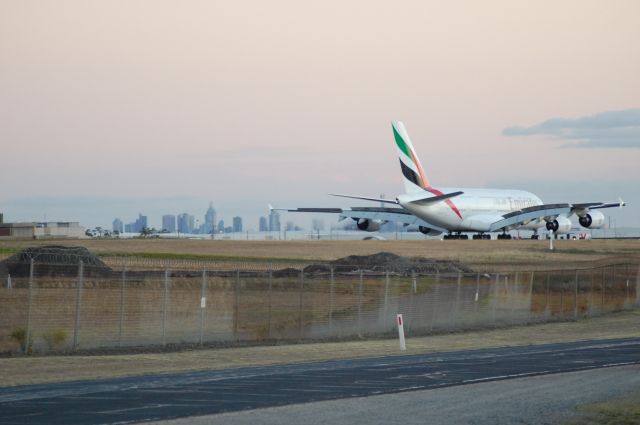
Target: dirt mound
(386, 261)
(55, 260)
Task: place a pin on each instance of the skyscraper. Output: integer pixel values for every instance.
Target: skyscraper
(220, 227)
(237, 224)
(169, 223)
(140, 223)
(209, 220)
(185, 223)
(274, 221)
(262, 226)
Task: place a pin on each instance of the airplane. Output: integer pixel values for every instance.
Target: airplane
(456, 210)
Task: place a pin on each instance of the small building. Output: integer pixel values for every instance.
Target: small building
(45, 230)
(17, 230)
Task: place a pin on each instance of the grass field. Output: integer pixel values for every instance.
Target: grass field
(481, 255)
(32, 370)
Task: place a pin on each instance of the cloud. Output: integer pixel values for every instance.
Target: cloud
(610, 129)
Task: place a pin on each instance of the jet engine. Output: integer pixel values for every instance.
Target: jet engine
(368, 225)
(559, 225)
(428, 231)
(593, 220)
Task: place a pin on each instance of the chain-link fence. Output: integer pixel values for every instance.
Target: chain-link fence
(49, 307)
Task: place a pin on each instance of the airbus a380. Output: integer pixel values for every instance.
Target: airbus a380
(456, 210)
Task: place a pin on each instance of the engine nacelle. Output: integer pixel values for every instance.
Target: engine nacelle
(593, 220)
(428, 231)
(368, 225)
(560, 225)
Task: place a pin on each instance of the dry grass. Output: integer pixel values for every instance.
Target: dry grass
(618, 411)
(483, 255)
(32, 370)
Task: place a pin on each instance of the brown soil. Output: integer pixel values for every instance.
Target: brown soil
(479, 255)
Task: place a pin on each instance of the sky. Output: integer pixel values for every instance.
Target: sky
(111, 108)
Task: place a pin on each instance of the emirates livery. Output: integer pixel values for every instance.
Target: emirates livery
(456, 210)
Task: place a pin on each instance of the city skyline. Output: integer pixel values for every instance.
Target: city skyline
(188, 223)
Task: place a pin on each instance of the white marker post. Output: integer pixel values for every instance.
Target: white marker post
(551, 236)
(403, 346)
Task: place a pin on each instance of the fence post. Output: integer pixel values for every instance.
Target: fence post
(9, 284)
(494, 300)
(164, 307)
(235, 305)
(638, 287)
(562, 299)
(76, 329)
(385, 307)
(27, 341)
(626, 278)
(331, 300)
(300, 304)
(575, 298)
(360, 306)
(456, 307)
(547, 308)
(203, 304)
(411, 316)
(531, 279)
(604, 288)
(269, 304)
(590, 302)
(120, 322)
(436, 298)
(477, 298)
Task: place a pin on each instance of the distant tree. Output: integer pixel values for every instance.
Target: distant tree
(146, 231)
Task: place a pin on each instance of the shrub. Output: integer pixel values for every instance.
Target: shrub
(54, 337)
(20, 335)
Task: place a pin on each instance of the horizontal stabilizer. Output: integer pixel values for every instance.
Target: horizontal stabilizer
(386, 201)
(421, 199)
(310, 210)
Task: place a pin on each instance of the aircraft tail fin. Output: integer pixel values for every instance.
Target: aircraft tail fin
(414, 177)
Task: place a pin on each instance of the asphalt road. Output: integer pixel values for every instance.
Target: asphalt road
(535, 400)
(169, 396)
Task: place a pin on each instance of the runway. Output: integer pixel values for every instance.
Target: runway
(169, 396)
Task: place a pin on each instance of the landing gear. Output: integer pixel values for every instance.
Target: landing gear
(455, 236)
(504, 235)
(484, 236)
(535, 235)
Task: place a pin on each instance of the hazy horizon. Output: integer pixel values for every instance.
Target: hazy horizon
(111, 109)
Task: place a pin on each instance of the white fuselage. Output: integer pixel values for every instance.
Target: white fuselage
(476, 209)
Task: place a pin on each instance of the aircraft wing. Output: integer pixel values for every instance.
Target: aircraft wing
(548, 212)
(531, 213)
(373, 213)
